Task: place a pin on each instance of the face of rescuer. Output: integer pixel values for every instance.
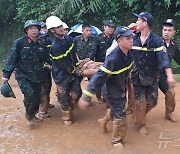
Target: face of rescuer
(168, 32)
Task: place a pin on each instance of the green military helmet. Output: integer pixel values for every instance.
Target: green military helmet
(6, 90)
(30, 23)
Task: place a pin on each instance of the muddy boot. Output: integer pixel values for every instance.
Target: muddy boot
(67, 117)
(30, 123)
(105, 120)
(119, 132)
(143, 131)
(140, 114)
(169, 116)
(170, 104)
(29, 120)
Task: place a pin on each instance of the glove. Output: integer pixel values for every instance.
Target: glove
(4, 79)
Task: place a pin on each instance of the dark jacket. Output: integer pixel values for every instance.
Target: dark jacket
(149, 58)
(102, 43)
(114, 72)
(27, 58)
(173, 51)
(64, 58)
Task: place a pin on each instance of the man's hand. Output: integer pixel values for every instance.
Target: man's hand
(4, 79)
(83, 104)
(49, 67)
(170, 77)
(78, 73)
(171, 81)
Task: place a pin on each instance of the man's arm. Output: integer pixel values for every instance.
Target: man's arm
(170, 78)
(96, 82)
(11, 62)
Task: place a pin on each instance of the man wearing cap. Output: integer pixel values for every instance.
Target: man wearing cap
(43, 27)
(168, 31)
(150, 56)
(103, 41)
(114, 73)
(64, 70)
(27, 57)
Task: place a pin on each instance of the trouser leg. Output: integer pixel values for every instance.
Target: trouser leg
(46, 89)
(170, 100)
(75, 92)
(169, 97)
(117, 106)
(131, 98)
(140, 113)
(32, 97)
(170, 104)
(68, 92)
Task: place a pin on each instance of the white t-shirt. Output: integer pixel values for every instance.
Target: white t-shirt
(112, 47)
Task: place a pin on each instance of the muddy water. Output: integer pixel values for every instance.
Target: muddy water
(84, 136)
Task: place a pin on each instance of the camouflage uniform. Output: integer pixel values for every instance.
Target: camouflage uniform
(27, 58)
(84, 48)
(46, 87)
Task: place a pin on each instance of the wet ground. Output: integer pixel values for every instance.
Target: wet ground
(85, 135)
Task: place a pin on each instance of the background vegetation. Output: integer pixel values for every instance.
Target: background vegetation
(13, 14)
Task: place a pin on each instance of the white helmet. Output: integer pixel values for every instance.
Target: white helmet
(65, 25)
(53, 21)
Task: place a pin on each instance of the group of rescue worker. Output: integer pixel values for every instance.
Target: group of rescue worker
(129, 59)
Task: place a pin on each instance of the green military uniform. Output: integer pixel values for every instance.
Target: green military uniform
(26, 57)
(84, 49)
(46, 87)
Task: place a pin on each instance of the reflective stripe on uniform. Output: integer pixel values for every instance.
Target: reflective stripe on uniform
(48, 46)
(44, 65)
(73, 71)
(77, 63)
(146, 49)
(63, 55)
(87, 93)
(115, 72)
